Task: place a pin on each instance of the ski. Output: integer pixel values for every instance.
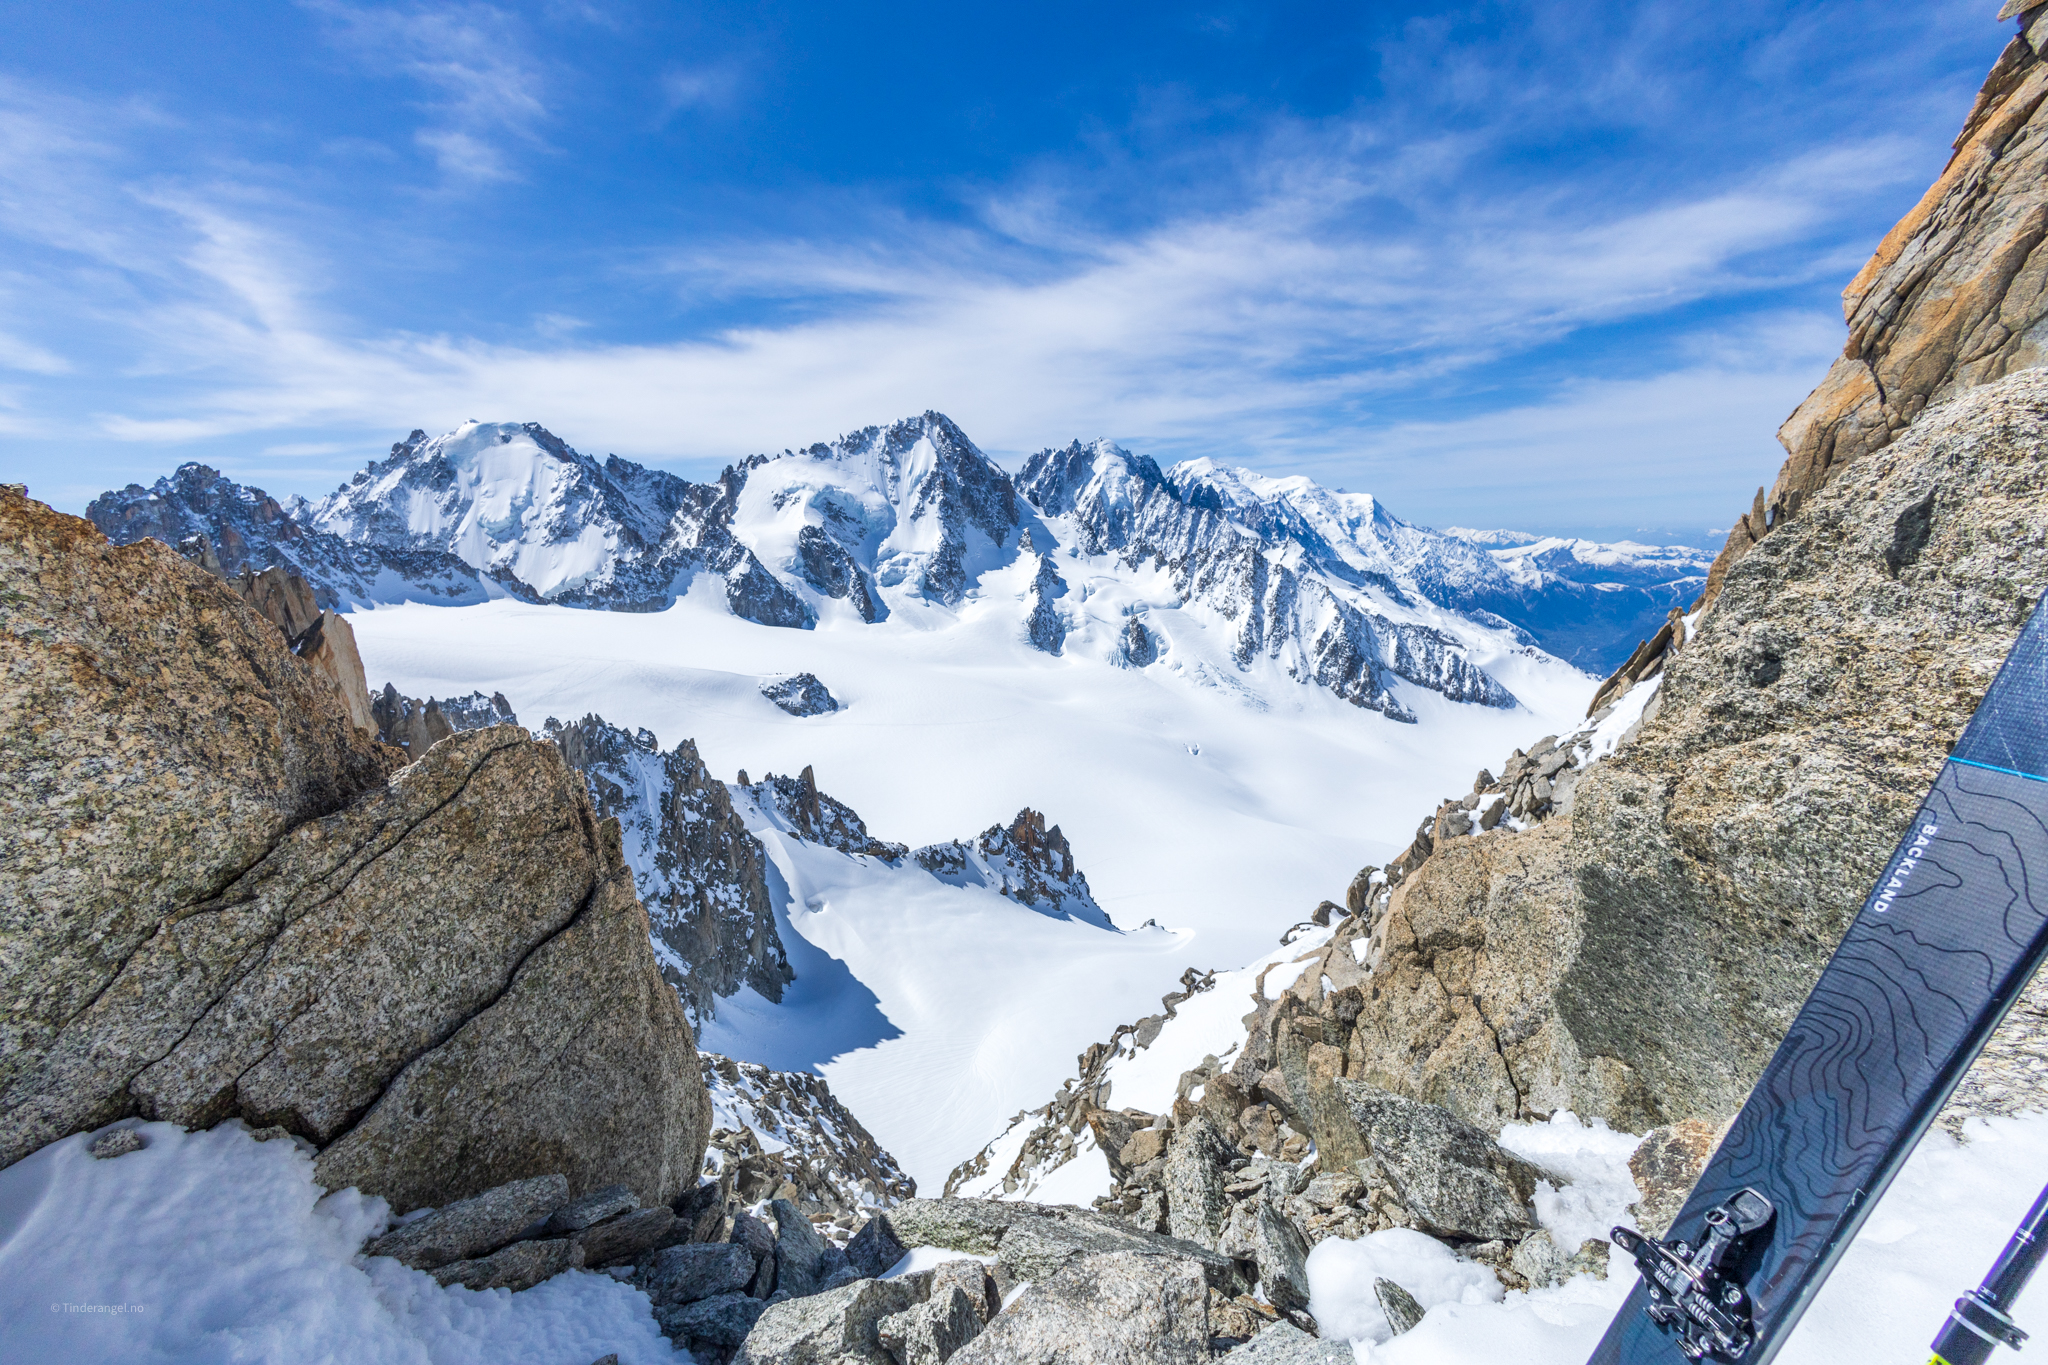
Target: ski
(1942, 947)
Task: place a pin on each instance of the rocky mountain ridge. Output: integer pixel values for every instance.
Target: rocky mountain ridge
(700, 872)
(913, 515)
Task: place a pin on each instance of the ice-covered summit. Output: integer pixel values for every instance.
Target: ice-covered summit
(912, 506)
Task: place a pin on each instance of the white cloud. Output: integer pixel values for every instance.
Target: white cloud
(484, 86)
(1288, 316)
(699, 87)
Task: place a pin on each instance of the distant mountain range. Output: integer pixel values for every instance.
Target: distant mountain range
(1329, 586)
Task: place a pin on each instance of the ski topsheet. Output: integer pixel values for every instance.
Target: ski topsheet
(1948, 938)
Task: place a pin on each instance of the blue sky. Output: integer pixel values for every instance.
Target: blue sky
(1561, 267)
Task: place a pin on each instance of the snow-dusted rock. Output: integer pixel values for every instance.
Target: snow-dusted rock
(470, 1228)
(913, 505)
(1025, 861)
(801, 695)
(247, 530)
(698, 870)
(783, 1135)
(1264, 568)
(796, 805)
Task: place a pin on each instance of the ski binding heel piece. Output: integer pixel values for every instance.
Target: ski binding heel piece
(1694, 1289)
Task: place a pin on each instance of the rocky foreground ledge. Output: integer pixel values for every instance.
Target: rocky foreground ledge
(223, 898)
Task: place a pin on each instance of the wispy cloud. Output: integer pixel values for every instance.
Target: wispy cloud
(483, 87)
(1357, 297)
(700, 87)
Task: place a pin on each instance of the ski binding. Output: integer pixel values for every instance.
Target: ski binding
(1695, 1289)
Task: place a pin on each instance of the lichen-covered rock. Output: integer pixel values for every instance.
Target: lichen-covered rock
(1666, 1165)
(1285, 1344)
(837, 1327)
(931, 1332)
(1398, 1305)
(218, 907)
(1120, 1308)
(521, 1265)
(473, 1227)
(1453, 1179)
(1195, 1161)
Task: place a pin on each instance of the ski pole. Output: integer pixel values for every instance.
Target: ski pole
(1979, 1321)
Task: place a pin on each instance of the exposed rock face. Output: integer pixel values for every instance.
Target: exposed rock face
(324, 640)
(1252, 571)
(801, 695)
(1640, 958)
(107, 652)
(1955, 296)
(1043, 625)
(700, 873)
(798, 806)
(783, 1135)
(1026, 861)
(831, 568)
(1120, 1308)
(442, 981)
(417, 725)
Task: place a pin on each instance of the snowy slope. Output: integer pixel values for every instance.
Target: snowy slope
(1222, 802)
(930, 994)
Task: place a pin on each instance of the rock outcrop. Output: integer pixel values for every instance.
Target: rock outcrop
(1956, 296)
(417, 725)
(801, 695)
(223, 903)
(700, 873)
(784, 1135)
(1026, 860)
(1640, 957)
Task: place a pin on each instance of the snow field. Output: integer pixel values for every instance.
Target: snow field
(1223, 804)
(212, 1247)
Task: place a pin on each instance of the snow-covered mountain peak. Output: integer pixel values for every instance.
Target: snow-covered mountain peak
(508, 497)
(913, 505)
